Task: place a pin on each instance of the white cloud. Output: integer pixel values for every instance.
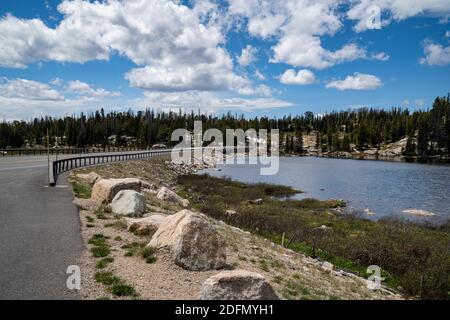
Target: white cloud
(175, 47)
(248, 56)
(447, 34)
(302, 77)
(206, 102)
(261, 90)
(85, 90)
(395, 10)
(28, 90)
(259, 75)
(382, 56)
(23, 98)
(435, 54)
(358, 81)
(298, 26)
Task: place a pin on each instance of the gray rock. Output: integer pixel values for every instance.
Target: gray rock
(145, 226)
(128, 202)
(90, 178)
(193, 241)
(168, 195)
(238, 285)
(106, 189)
(256, 201)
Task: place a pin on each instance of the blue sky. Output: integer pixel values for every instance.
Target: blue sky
(258, 57)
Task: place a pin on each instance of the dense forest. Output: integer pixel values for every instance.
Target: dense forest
(427, 131)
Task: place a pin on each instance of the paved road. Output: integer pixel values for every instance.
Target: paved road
(39, 231)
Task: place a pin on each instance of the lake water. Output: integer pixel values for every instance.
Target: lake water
(378, 187)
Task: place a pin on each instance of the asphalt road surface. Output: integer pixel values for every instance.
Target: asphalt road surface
(39, 231)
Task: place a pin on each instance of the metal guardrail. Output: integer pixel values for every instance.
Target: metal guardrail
(64, 151)
(59, 166)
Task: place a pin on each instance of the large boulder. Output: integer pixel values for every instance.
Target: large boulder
(238, 285)
(90, 178)
(128, 203)
(106, 189)
(193, 241)
(168, 195)
(145, 226)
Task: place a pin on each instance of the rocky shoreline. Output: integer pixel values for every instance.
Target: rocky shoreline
(152, 255)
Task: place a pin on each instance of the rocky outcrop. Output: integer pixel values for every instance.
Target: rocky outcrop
(238, 285)
(145, 226)
(106, 189)
(168, 195)
(128, 203)
(419, 212)
(231, 213)
(90, 178)
(193, 241)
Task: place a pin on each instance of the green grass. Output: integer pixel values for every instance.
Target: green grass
(81, 190)
(117, 286)
(107, 278)
(98, 240)
(101, 246)
(133, 249)
(122, 290)
(405, 251)
(100, 252)
(103, 263)
(119, 225)
(140, 249)
(148, 254)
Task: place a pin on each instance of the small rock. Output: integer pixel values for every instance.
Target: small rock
(145, 226)
(256, 201)
(230, 212)
(327, 266)
(90, 178)
(168, 195)
(238, 285)
(128, 202)
(324, 228)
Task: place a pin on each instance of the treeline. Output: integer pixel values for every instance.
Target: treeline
(427, 132)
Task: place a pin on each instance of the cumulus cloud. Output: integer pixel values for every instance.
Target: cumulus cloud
(396, 10)
(28, 90)
(358, 81)
(23, 98)
(85, 90)
(56, 90)
(174, 46)
(302, 77)
(435, 54)
(298, 26)
(248, 56)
